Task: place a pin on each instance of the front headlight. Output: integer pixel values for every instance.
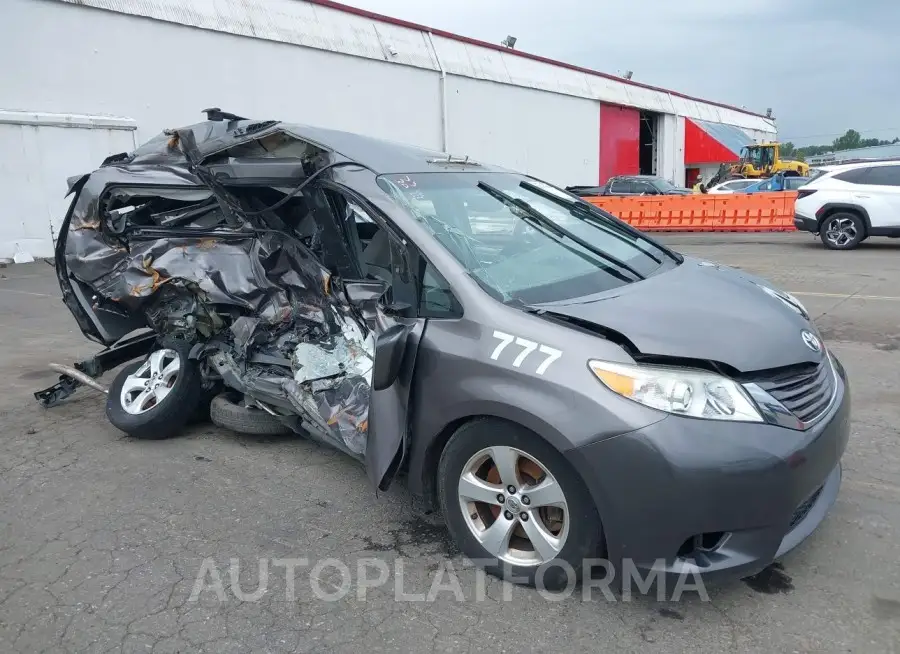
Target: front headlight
(682, 391)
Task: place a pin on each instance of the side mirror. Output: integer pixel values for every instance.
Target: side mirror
(389, 349)
(359, 293)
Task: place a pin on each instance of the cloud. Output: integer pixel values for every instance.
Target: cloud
(823, 66)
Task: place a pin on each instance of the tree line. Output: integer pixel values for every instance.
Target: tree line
(849, 141)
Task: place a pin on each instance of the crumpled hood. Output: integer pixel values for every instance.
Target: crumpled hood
(700, 311)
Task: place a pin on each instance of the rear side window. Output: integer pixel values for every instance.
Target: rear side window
(883, 176)
(855, 176)
(621, 186)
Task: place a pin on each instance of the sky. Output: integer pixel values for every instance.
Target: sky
(823, 66)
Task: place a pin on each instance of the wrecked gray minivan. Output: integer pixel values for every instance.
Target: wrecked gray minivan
(242, 283)
(560, 384)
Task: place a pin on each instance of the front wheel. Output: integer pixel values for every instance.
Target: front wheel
(842, 231)
(515, 506)
(154, 398)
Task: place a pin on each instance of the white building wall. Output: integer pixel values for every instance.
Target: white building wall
(320, 27)
(160, 62)
(162, 75)
(759, 136)
(39, 153)
(670, 162)
(547, 135)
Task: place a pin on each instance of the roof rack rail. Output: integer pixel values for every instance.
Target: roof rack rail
(452, 159)
(216, 114)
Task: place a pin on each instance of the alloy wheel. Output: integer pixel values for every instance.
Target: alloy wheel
(840, 231)
(149, 385)
(513, 505)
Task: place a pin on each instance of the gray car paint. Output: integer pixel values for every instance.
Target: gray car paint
(708, 315)
(700, 312)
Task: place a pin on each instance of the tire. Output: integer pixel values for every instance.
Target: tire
(202, 412)
(228, 414)
(164, 412)
(578, 536)
(842, 231)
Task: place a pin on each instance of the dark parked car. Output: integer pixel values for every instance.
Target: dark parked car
(631, 185)
(561, 385)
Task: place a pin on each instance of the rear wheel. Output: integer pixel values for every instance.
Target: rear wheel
(842, 231)
(515, 506)
(228, 412)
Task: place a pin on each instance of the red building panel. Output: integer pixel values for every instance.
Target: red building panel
(620, 129)
(701, 148)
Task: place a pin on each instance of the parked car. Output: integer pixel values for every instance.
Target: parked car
(733, 186)
(587, 191)
(846, 204)
(631, 185)
(776, 183)
(564, 389)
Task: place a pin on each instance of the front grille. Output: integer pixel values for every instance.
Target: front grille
(805, 390)
(804, 508)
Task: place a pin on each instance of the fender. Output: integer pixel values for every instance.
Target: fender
(426, 448)
(830, 207)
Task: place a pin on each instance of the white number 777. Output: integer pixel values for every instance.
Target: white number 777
(528, 347)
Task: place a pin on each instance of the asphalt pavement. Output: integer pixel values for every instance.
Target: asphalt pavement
(111, 544)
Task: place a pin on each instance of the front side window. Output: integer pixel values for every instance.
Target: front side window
(436, 299)
(488, 222)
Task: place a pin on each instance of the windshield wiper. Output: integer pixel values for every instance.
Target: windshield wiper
(585, 210)
(549, 223)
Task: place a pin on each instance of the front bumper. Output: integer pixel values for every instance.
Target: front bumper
(719, 499)
(806, 223)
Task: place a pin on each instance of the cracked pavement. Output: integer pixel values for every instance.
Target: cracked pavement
(102, 537)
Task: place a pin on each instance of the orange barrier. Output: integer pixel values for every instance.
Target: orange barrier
(747, 212)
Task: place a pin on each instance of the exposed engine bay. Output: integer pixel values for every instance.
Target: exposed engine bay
(205, 235)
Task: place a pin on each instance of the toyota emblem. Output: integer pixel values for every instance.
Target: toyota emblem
(811, 340)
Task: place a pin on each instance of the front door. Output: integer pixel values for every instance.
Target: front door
(382, 257)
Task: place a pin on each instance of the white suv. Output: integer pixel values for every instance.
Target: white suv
(846, 204)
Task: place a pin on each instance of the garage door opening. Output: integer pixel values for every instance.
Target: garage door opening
(647, 153)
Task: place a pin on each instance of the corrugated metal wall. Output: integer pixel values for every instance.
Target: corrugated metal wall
(163, 75)
(524, 129)
(304, 62)
(313, 25)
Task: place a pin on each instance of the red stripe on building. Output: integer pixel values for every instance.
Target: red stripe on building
(620, 130)
(701, 148)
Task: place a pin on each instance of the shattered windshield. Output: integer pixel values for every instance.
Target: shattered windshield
(520, 239)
